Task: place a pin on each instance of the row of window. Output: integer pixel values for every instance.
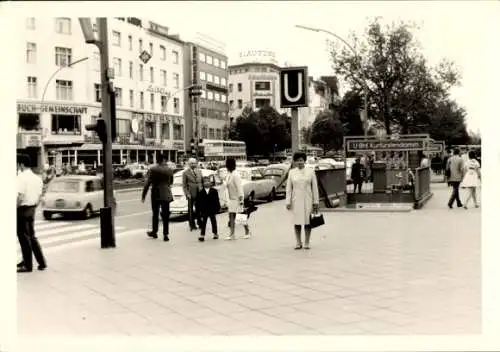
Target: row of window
(211, 95)
(63, 56)
(64, 89)
(117, 66)
(259, 85)
(259, 103)
(62, 24)
(208, 77)
(117, 41)
(131, 95)
(252, 69)
(123, 129)
(212, 61)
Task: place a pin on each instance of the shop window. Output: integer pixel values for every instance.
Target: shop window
(28, 122)
(260, 103)
(66, 125)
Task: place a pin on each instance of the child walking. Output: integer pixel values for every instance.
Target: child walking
(249, 208)
(208, 206)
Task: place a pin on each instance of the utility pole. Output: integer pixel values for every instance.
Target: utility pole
(105, 126)
(295, 130)
(194, 93)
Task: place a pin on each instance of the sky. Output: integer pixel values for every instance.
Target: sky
(453, 30)
(461, 31)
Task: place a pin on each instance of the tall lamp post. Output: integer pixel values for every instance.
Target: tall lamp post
(105, 126)
(71, 64)
(350, 47)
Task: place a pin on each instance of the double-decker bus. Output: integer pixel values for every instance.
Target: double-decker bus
(220, 150)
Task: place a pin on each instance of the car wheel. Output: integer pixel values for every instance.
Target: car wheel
(47, 215)
(87, 212)
(251, 197)
(272, 195)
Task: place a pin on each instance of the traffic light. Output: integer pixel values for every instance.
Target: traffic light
(99, 127)
(193, 149)
(112, 119)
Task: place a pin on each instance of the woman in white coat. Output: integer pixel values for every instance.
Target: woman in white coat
(302, 197)
(234, 194)
(472, 178)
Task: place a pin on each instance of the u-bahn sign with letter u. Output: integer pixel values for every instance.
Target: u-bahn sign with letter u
(294, 87)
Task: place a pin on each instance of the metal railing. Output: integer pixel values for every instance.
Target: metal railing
(422, 183)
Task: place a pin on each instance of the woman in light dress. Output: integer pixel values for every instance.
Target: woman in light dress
(472, 178)
(234, 195)
(302, 197)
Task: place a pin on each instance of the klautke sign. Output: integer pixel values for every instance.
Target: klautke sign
(294, 87)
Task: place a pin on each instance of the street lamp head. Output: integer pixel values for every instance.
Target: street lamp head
(307, 28)
(88, 30)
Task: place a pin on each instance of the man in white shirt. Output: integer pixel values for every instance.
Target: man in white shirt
(29, 192)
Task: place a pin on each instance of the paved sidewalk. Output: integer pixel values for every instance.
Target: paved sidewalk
(367, 273)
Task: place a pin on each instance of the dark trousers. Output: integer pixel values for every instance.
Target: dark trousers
(455, 194)
(165, 215)
(357, 185)
(26, 236)
(203, 223)
(193, 213)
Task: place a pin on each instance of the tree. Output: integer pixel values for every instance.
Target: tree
(474, 137)
(448, 124)
(402, 88)
(264, 131)
(349, 110)
(327, 131)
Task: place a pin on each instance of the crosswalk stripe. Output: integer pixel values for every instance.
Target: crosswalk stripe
(66, 229)
(73, 236)
(57, 248)
(49, 225)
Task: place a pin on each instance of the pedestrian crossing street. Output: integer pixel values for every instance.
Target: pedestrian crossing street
(56, 234)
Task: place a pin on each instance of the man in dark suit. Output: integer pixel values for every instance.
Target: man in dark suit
(208, 205)
(160, 178)
(191, 183)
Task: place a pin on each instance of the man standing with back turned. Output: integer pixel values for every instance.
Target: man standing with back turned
(455, 170)
(160, 178)
(29, 192)
(191, 183)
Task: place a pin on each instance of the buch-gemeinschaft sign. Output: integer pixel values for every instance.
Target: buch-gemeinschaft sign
(401, 145)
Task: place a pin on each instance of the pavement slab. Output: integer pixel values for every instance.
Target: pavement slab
(366, 274)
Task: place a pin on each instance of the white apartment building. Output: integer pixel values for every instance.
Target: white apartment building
(149, 106)
(322, 94)
(253, 85)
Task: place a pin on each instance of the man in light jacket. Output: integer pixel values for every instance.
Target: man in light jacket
(455, 167)
(191, 183)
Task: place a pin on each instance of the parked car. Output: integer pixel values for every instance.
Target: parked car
(179, 206)
(255, 185)
(331, 162)
(75, 195)
(244, 163)
(278, 173)
(135, 170)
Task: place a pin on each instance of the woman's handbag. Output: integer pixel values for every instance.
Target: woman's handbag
(241, 219)
(316, 220)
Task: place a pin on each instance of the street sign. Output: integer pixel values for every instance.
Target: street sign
(436, 147)
(145, 56)
(294, 87)
(374, 145)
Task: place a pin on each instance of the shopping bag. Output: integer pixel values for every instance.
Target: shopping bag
(316, 220)
(241, 219)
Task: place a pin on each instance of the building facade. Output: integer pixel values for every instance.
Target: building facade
(323, 95)
(207, 114)
(255, 85)
(58, 99)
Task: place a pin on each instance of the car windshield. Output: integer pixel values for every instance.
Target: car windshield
(245, 175)
(273, 172)
(64, 186)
